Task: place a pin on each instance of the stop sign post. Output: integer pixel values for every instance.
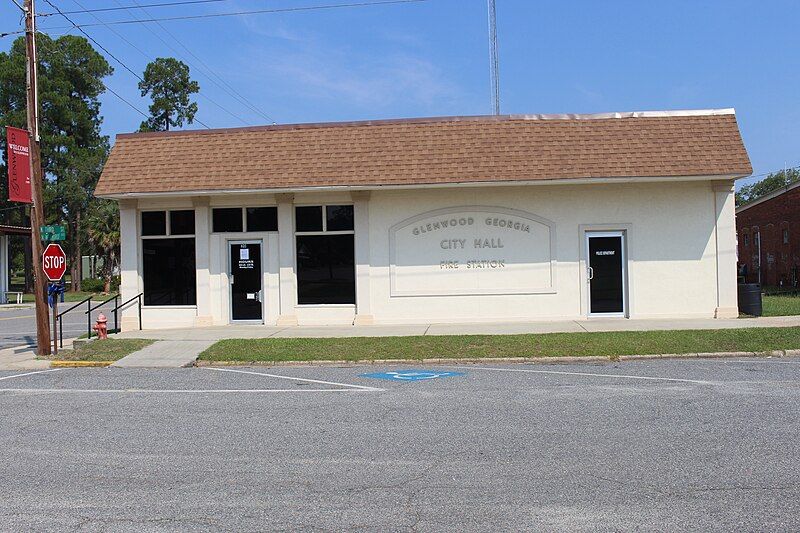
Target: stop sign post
(54, 262)
(54, 265)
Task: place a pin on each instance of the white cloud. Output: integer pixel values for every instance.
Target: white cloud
(367, 83)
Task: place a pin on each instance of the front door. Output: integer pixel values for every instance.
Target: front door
(245, 278)
(606, 273)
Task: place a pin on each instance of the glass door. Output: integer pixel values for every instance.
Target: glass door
(606, 273)
(245, 279)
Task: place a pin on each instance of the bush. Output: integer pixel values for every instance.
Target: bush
(92, 285)
(115, 281)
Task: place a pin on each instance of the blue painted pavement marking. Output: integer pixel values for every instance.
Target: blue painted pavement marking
(411, 375)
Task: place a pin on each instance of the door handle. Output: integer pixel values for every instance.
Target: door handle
(589, 274)
(231, 279)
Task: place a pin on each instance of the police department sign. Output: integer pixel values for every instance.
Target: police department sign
(472, 250)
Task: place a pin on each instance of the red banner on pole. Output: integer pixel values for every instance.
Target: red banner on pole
(19, 165)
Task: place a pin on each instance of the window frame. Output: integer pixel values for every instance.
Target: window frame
(243, 210)
(324, 220)
(168, 235)
(140, 223)
(324, 232)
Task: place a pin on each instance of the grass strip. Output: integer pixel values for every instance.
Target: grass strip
(104, 350)
(781, 305)
(601, 344)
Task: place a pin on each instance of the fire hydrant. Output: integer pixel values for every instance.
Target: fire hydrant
(101, 326)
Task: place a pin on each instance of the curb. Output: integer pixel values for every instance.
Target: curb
(79, 364)
(484, 360)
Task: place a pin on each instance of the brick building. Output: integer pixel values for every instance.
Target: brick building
(768, 232)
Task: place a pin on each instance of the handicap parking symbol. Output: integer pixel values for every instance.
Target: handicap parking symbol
(411, 375)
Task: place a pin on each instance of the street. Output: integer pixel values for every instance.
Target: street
(18, 326)
(664, 445)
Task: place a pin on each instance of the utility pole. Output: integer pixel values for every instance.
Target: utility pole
(494, 61)
(37, 182)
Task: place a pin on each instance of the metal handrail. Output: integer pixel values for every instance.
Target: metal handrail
(90, 308)
(101, 304)
(88, 302)
(126, 302)
(104, 302)
(74, 306)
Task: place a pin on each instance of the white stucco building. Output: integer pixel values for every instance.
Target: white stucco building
(451, 219)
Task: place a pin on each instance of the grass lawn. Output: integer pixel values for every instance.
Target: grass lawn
(73, 296)
(781, 305)
(467, 346)
(105, 350)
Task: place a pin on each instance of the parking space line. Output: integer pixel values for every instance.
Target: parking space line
(360, 387)
(589, 374)
(29, 373)
(175, 391)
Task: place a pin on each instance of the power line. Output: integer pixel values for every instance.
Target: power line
(126, 67)
(239, 13)
(102, 9)
(145, 115)
(116, 59)
(168, 45)
(118, 34)
(210, 74)
(112, 91)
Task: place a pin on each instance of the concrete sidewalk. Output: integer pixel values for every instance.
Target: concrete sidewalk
(215, 333)
(22, 358)
(165, 354)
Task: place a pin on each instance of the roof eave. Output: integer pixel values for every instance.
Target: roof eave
(376, 187)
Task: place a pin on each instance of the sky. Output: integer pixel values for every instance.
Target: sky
(430, 58)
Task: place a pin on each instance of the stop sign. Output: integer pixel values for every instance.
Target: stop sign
(54, 262)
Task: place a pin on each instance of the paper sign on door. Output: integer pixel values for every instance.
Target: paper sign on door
(244, 253)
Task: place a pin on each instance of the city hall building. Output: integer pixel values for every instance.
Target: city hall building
(455, 219)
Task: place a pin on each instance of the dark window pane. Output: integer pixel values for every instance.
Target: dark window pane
(169, 272)
(181, 222)
(340, 217)
(226, 219)
(154, 223)
(262, 219)
(325, 269)
(308, 218)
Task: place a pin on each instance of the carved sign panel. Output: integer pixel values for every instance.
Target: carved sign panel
(472, 250)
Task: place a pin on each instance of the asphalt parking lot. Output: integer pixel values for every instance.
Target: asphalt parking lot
(647, 445)
(18, 325)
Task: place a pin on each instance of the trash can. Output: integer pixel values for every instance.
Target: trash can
(750, 299)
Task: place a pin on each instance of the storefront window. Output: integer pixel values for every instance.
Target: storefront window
(325, 255)
(262, 218)
(181, 222)
(154, 223)
(232, 219)
(169, 271)
(226, 219)
(308, 218)
(168, 261)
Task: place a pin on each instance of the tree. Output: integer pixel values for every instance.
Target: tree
(773, 182)
(71, 75)
(166, 81)
(102, 231)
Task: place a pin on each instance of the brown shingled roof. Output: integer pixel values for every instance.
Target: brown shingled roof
(428, 151)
